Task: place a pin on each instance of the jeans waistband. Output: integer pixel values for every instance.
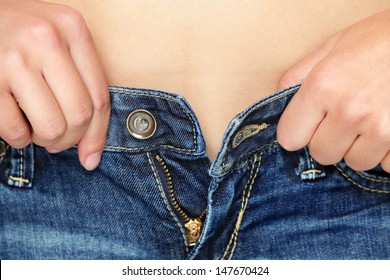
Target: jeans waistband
(177, 129)
(176, 125)
(252, 130)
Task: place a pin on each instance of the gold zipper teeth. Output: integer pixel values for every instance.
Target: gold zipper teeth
(202, 215)
(171, 193)
(193, 225)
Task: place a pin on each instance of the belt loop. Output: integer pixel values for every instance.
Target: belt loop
(308, 168)
(21, 167)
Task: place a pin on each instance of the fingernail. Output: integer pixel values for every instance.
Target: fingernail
(92, 161)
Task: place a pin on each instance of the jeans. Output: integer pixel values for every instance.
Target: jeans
(156, 194)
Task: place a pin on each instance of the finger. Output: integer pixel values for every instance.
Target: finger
(301, 70)
(13, 126)
(91, 145)
(39, 105)
(331, 140)
(385, 163)
(67, 86)
(300, 120)
(93, 141)
(88, 64)
(359, 159)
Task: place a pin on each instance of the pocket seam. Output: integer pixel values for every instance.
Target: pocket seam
(359, 185)
(372, 179)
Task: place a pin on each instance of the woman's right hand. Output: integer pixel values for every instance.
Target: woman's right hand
(52, 87)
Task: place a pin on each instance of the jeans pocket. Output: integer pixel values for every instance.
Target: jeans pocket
(375, 180)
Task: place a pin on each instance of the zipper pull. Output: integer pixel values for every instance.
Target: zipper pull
(194, 227)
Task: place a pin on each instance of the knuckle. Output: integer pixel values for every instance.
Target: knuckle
(353, 112)
(357, 163)
(17, 136)
(321, 82)
(102, 102)
(74, 22)
(44, 32)
(286, 144)
(57, 147)
(15, 58)
(288, 79)
(352, 164)
(319, 156)
(285, 141)
(52, 131)
(381, 130)
(323, 155)
(82, 117)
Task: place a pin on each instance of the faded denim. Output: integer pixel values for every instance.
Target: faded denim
(256, 200)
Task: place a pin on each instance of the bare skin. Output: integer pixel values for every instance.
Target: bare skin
(231, 55)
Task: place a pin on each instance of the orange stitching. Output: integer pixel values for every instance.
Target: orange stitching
(312, 171)
(19, 179)
(20, 162)
(121, 91)
(372, 179)
(248, 132)
(148, 147)
(311, 161)
(244, 203)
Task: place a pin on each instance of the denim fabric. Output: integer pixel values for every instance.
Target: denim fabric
(262, 202)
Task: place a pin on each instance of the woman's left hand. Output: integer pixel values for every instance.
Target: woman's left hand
(342, 109)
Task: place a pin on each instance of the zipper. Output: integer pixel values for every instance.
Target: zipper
(192, 224)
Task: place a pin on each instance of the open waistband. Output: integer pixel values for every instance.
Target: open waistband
(176, 129)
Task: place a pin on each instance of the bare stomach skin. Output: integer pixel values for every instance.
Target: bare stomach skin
(220, 55)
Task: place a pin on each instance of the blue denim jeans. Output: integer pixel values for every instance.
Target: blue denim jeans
(156, 194)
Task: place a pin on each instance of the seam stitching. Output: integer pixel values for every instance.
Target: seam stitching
(21, 163)
(20, 179)
(311, 162)
(244, 203)
(249, 154)
(149, 147)
(167, 99)
(372, 179)
(311, 171)
(252, 109)
(359, 185)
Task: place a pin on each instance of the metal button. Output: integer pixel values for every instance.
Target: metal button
(141, 124)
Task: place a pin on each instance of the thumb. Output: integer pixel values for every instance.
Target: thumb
(298, 73)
